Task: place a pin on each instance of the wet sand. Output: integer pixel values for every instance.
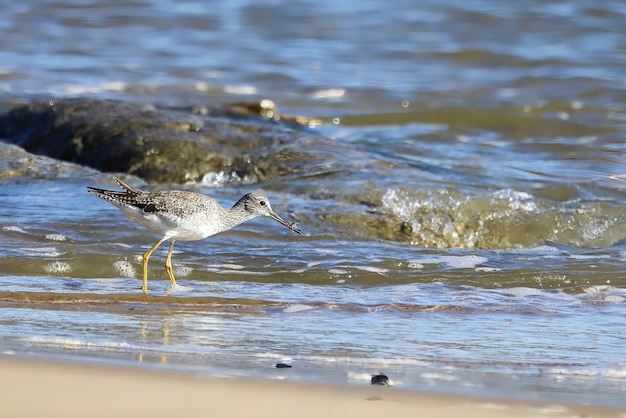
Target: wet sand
(54, 388)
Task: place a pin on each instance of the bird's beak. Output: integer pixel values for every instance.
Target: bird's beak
(293, 226)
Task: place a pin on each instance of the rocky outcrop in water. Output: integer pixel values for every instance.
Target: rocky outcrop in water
(162, 144)
(352, 193)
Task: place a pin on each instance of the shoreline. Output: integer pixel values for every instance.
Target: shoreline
(34, 387)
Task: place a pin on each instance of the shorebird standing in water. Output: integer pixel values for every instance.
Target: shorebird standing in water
(185, 216)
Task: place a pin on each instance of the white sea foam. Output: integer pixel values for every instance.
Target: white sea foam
(298, 307)
(97, 88)
(543, 249)
(516, 200)
(203, 86)
(45, 251)
(523, 291)
(376, 364)
(241, 89)
(598, 288)
(125, 269)
(372, 269)
(228, 266)
(614, 374)
(328, 93)
(109, 284)
(182, 271)
(364, 377)
(57, 267)
(614, 299)
(181, 289)
(244, 272)
(56, 237)
(267, 355)
(75, 344)
(325, 250)
(487, 269)
(576, 104)
(219, 179)
(359, 377)
(440, 377)
(14, 228)
(588, 256)
(572, 372)
(463, 262)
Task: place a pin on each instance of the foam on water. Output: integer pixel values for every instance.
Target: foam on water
(598, 288)
(359, 377)
(219, 179)
(75, 344)
(338, 271)
(460, 262)
(614, 298)
(125, 269)
(517, 201)
(588, 256)
(240, 89)
(181, 289)
(14, 228)
(297, 308)
(57, 267)
(126, 247)
(523, 291)
(56, 237)
(487, 269)
(111, 284)
(227, 266)
(43, 251)
(81, 89)
(182, 271)
(373, 269)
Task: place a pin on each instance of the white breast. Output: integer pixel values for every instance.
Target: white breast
(189, 228)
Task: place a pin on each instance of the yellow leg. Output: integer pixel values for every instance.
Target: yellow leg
(146, 257)
(168, 264)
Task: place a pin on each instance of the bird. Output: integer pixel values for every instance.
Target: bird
(183, 215)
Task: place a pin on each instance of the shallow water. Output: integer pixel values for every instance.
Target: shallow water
(492, 134)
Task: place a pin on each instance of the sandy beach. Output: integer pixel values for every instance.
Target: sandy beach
(54, 388)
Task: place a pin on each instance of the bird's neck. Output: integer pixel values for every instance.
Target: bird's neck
(235, 216)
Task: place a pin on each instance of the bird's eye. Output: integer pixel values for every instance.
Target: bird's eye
(262, 202)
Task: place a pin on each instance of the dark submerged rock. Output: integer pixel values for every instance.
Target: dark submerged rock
(157, 144)
(283, 366)
(380, 379)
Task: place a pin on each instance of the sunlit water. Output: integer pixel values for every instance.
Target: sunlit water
(492, 133)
